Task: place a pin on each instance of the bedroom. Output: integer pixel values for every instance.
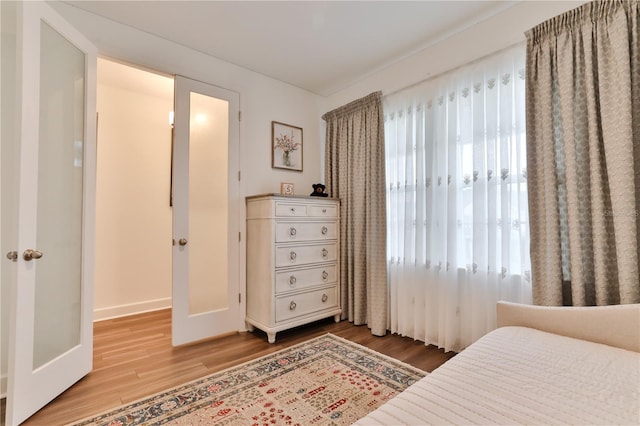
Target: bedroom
(297, 106)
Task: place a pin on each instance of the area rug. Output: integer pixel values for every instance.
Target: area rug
(323, 381)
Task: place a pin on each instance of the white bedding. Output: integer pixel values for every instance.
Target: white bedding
(518, 375)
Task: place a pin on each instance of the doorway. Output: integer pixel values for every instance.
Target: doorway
(133, 184)
(167, 201)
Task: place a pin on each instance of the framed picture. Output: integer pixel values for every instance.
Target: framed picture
(286, 146)
(286, 188)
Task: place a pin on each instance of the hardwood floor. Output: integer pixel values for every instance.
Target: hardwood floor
(133, 358)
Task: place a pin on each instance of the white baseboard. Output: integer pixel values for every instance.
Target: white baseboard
(131, 309)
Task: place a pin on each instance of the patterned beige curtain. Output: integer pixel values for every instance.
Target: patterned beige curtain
(583, 138)
(355, 172)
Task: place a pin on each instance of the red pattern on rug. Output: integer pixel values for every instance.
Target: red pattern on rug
(324, 381)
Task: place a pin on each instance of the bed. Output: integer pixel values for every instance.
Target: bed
(543, 365)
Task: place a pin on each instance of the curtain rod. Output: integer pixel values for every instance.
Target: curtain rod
(475, 61)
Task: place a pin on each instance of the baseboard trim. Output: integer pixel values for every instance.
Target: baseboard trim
(111, 312)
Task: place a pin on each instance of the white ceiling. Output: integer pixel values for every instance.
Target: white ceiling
(320, 46)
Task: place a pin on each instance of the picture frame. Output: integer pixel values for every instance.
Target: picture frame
(286, 188)
(286, 146)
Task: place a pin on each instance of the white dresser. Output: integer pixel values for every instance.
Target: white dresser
(293, 264)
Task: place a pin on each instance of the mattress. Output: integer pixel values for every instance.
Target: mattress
(518, 375)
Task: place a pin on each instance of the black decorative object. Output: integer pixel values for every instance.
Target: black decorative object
(318, 190)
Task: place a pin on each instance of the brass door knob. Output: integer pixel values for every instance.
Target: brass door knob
(182, 241)
(12, 255)
(31, 254)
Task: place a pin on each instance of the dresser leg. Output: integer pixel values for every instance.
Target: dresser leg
(271, 336)
(336, 317)
(250, 327)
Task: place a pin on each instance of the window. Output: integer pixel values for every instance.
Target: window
(457, 194)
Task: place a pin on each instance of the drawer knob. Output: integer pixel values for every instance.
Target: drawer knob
(292, 279)
(325, 275)
(292, 305)
(325, 253)
(292, 232)
(293, 210)
(292, 255)
(324, 230)
(324, 210)
(324, 297)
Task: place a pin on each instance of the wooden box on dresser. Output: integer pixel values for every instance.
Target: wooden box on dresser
(293, 265)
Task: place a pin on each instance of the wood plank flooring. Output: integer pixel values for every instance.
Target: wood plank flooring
(133, 358)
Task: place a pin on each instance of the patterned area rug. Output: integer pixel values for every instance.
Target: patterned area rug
(324, 381)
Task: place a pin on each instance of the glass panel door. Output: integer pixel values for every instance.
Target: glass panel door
(51, 329)
(208, 203)
(59, 198)
(205, 212)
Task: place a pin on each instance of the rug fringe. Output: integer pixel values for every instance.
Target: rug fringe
(390, 358)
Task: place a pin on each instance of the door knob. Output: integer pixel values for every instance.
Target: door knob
(182, 241)
(12, 255)
(31, 254)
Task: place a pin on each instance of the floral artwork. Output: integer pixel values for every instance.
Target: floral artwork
(286, 152)
(287, 144)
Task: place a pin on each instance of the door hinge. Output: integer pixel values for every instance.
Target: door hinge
(239, 297)
(239, 236)
(239, 175)
(239, 115)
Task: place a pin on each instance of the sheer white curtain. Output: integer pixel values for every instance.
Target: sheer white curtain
(458, 235)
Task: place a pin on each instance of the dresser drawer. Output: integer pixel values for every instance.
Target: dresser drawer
(296, 305)
(295, 279)
(305, 231)
(290, 210)
(303, 255)
(322, 210)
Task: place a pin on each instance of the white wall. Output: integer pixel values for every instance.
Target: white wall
(133, 217)
(455, 49)
(262, 100)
